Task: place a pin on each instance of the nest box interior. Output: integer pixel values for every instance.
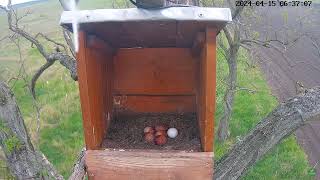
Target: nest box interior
(138, 84)
(139, 68)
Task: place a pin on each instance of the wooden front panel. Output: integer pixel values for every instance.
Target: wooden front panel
(145, 104)
(95, 75)
(149, 165)
(154, 71)
(207, 91)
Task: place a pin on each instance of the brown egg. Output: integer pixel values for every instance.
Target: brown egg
(149, 137)
(161, 128)
(161, 140)
(161, 133)
(148, 129)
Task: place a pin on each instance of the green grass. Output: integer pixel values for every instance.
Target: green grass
(285, 161)
(61, 135)
(63, 142)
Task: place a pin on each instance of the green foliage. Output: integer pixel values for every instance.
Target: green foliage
(12, 144)
(256, 35)
(312, 171)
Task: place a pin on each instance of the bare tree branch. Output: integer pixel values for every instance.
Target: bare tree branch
(228, 35)
(51, 40)
(232, 34)
(315, 44)
(37, 75)
(79, 171)
(68, 39)
(50, 168)
(266, 43)
(279, 124)
(63, 58)
(68, 62)
(13, 26)
(237, 12)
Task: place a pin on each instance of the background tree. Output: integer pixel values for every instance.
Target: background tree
(241, 34)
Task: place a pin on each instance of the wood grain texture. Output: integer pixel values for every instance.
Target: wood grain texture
(161, 104)
(155, 71)
(94, 81)
(207, 91)
(149, 165)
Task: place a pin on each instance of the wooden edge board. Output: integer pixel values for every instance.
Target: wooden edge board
(174, 165)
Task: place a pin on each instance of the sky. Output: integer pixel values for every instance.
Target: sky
(5, 2)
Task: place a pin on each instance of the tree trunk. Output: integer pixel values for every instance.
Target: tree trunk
(23, 160)
(79, 168)
(223, 130)
(279, 124)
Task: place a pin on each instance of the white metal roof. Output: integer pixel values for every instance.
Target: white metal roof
(166, 27)
(209, 15)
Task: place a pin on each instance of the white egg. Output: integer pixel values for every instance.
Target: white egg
(172, 132)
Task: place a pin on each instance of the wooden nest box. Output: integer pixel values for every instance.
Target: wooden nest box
(133, 61)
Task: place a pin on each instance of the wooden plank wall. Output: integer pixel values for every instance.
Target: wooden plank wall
(149, 165)
(145, 103)
(207, 90)
(155, 80)
(95, 84)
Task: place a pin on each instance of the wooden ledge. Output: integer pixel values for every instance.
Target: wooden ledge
(145, 165)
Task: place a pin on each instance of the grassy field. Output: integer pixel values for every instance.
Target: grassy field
(285, 161)
(61, 136)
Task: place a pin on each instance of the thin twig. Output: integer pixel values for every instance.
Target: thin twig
(38, 74)
(50, 40)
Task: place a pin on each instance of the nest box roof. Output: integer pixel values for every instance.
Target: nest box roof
(166, 27)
